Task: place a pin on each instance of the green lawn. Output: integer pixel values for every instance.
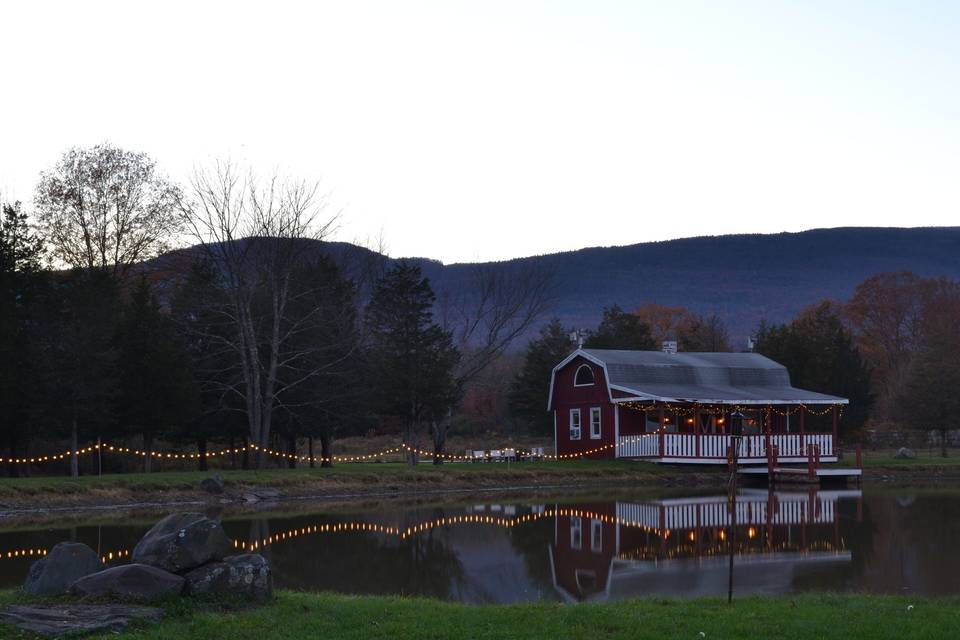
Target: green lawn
(301, 616)
(364, 474)
(926, 459)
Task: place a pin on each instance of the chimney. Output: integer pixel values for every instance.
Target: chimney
(669, 346)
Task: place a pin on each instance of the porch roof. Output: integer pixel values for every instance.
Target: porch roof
(708, 378)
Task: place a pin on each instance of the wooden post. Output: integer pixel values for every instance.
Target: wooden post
(859, 456)
(662, 428)
(833, 444)
(766, 427)
(696, 432)
(803, 435)
(811, 469)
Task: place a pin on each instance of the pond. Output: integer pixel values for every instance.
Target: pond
(604, 547)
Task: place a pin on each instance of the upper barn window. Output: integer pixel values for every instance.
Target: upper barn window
(584, 377)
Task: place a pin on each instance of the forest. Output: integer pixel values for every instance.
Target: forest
(141, 312)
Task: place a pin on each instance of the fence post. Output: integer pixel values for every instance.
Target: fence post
(811, 470)
(859, 456)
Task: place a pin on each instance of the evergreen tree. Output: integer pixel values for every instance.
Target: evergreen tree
(621, 330)
(322, 397)
(21, 289)
(220, 412)
(821, 356)
(157, 391)
(411, 359)
(531, 385)
(78, 357)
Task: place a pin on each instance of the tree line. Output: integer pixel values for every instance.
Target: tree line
(251, 333)
(892, 349)
(254, 335)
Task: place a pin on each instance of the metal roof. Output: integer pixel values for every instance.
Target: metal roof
(720, 378)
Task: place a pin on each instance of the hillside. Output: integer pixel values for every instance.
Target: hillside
(745, 279)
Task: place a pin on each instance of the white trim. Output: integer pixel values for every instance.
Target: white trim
(616, 430)
(593, 376)
(598, 547)
(583, 354)
(579, 424)
(556, 445)
(579, 529)
(599, 412)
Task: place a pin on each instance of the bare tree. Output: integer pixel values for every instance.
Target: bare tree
(106, 208)
(258, 233)
(501, 306)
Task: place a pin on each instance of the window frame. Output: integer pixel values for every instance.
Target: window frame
(576, 375)
(596, 536)
(596, 411)
(579, 433)
(576, 532)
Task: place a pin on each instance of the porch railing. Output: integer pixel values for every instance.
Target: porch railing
(689, 445)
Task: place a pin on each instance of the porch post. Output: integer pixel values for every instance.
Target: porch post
(661, 437)
(766, 427)
(696, 432)
(833, 444)
(803, 436)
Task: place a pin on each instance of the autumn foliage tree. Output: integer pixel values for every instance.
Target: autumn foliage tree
(820, 354)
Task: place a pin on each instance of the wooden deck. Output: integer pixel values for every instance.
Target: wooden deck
(800, 475)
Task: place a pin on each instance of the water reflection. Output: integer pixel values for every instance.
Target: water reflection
(583, 550)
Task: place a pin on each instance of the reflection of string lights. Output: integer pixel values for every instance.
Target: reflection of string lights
(406, 532)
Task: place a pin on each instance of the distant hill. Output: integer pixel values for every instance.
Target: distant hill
(745, 279)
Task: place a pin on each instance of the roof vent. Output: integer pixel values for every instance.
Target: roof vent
(669, 346)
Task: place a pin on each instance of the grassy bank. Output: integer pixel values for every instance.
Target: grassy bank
(341, 480)
(296, 616)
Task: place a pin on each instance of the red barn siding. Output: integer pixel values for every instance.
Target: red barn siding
(583, 571)
(566, 397)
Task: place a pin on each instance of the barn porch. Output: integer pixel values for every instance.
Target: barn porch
(695, 434)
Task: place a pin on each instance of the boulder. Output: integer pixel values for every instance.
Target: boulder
(65, 564)
(129, 582)
(213, 484)
(245, 575)
(182, 541)
(904, 452)
(75, 619)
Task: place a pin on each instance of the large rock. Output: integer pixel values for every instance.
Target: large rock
(63, 619)
(182, 541)
(905, 453)
(129, 582)
(65, 564)
(213, 484)
(245, 575)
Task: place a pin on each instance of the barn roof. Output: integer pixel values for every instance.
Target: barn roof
(709, 378)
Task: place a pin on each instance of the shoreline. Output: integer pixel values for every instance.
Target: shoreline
(255, 490)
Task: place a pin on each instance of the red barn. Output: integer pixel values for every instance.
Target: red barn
(683, 407)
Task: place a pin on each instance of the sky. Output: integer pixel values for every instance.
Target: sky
(469, 131)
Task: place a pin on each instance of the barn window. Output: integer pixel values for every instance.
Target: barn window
(584, 377)
(596, 536)
(594, 423)
(574, 424)
(576, 533)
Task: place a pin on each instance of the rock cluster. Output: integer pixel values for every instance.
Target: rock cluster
(183, 554)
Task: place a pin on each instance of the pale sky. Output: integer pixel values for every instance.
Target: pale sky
(491, 130)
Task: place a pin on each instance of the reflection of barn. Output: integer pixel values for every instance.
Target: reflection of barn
(682, 546)
(683, 407)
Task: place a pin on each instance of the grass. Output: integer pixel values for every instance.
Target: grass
(925, 459)
(340, 479)
(296, 616)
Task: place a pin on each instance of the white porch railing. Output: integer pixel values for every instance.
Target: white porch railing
(714, 447)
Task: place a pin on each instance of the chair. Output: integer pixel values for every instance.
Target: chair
(510, 454)
(479, 456)
(468, 455)
(495, 455)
